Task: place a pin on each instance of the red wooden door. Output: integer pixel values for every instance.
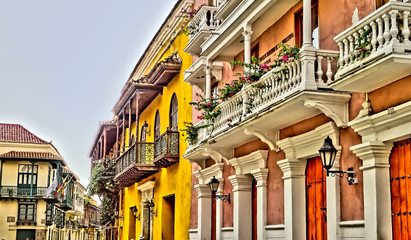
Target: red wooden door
(400, 176)
(213, 218)
(316, 200)
(254, 209)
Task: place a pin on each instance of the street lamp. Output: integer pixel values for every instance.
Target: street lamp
(328, 153)
(213, 184)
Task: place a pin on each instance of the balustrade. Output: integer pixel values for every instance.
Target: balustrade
(272, 88)
(167, 146)
(382, 32)
(18, 191)
(204, 20)
(145, 155)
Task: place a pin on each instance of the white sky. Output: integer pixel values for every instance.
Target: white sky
(63, 64)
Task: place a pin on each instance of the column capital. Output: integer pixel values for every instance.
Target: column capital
(292, 168)
(260, 176)
(203, 191)
(241, 182)
(373, 154)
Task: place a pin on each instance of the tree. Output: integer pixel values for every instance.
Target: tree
(103, 185)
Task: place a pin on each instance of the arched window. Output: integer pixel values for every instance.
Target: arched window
(174, 113)
(143, 133)
(157, 126)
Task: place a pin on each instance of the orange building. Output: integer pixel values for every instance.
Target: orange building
(349, 81)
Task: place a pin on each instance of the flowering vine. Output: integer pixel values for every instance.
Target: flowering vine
(187, 15)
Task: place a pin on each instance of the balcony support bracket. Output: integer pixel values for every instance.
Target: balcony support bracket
(268, 137)
(335, 108)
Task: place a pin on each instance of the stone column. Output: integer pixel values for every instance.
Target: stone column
(219, 210)
(307, 51)
(204, 211)
(247, 44)
(145, 215)
(242, 202)
(260, 176)
(208, 82)
(377, 194)
(294, 198)
(333, 201)
(307, 31)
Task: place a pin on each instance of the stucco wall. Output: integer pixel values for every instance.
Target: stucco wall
(175, 179)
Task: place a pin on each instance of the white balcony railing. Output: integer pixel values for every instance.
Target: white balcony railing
(200, 28)
(389, 32)
(203, 21)
(279, 84)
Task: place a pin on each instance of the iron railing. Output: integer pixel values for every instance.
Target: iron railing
(167, 144)
(17, 191)
(140, 152)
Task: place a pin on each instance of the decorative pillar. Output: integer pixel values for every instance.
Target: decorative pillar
(145, 212)
(377, 195)
(307, 51)
(242, 202)
(294, 198)
(333, 200)
(260, 176)
(219, 210)
(117, 136)
(208, 81)
(204, 211)
(247, 44)
(307, 31)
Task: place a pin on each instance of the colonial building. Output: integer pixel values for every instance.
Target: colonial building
(350, 81)
(28, 167)
(145, 141)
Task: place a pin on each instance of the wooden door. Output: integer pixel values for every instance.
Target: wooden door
(316, 200)
(254, 209)
(400, 176)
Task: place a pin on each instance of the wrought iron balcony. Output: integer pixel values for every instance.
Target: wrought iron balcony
(288, 95)
(200, 27)
(17, 191)
(375, 51)
(167, 149)
(135, 163)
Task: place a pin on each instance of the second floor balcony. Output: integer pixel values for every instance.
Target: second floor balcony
(23, 191)
(200, 27)
(136, 163)
(167, 149)
(375, 51)
(291, 93)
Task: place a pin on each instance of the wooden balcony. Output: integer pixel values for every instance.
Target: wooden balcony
(167, 149)
(18, 191)
(135, 164)
(375, 51)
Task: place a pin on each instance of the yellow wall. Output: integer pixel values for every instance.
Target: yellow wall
(175, 179)
(10, 173)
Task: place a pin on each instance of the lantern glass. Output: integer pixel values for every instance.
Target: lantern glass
(213, 184)
(327, 153)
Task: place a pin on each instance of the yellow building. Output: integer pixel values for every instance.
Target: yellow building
(153, 106)
(28, 167)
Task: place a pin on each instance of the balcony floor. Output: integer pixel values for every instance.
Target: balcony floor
(136, 173)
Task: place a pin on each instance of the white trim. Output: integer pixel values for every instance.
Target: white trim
(253, 161)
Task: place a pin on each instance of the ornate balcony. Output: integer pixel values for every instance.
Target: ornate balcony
(200, 27)
(375, 51)
(17, 191)
(289, 95)
(66, 203)
(135, 164)
(167, 149)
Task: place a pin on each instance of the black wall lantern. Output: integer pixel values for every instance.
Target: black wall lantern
(151, 205)
(328, 153)
(134, 210)
(213, 184)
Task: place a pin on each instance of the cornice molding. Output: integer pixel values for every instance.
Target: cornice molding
(205, 175)
(248, 163)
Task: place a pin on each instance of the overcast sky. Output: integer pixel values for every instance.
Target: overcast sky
(63, 64)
